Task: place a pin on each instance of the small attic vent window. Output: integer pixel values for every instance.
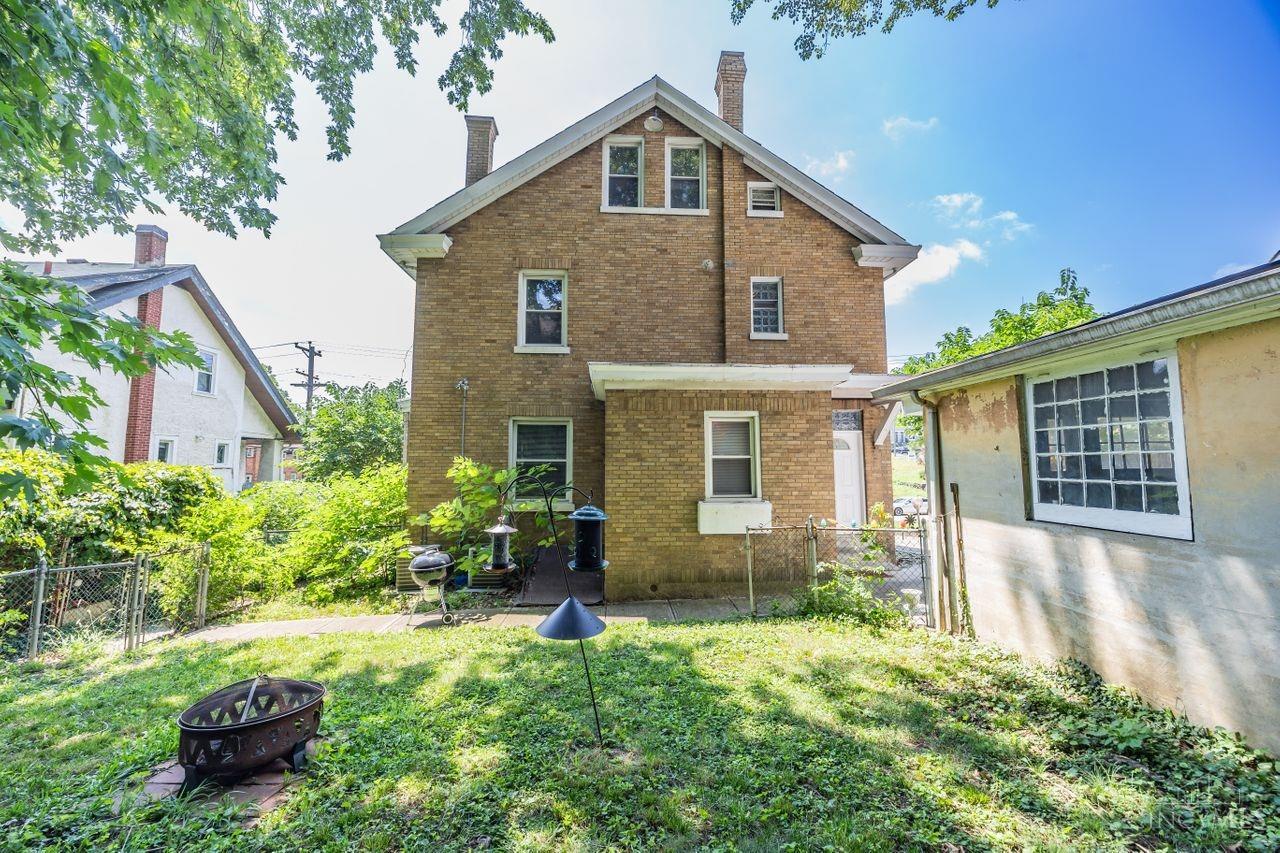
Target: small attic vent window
(763, 199)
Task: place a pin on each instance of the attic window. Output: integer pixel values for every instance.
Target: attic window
(623, 171)
(763, 199)
(686, 174)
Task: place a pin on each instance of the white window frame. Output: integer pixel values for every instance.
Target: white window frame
(561, 348)
(620, 142)
(1178, 526)
(777, 193)
(170, 440)
(753, 418)
(558, 502)
(226, 460)
(673, 142)
(781, 334)
(213, 373)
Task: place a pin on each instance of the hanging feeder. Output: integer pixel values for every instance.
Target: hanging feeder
(500, 552)
(588, 539)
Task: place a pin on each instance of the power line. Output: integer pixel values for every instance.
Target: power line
(310, 374)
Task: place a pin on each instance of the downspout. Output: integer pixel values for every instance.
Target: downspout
(945, 596)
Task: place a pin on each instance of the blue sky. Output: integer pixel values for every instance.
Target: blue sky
(1138, 142)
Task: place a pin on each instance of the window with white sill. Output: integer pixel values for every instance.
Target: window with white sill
(542, 325)
(766, 308)
(1107, 448)
(623, 172)
(206, 372)
(546, 444)
(686, 174)
(733, 455)
(764, 199)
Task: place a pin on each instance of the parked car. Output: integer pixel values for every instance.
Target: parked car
(911, 506)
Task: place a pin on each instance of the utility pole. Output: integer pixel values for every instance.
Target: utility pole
(310, 374)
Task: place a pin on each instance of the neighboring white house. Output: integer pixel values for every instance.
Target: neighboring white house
(226, 415)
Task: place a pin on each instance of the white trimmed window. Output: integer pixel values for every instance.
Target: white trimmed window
(732, 455)
(164, 450)
(763, 199)
(542, 321)
(535, 442)
(206, 373)
(222, 453)
(623, 179)
(1107, 449)
(766, 308)
(686, 173)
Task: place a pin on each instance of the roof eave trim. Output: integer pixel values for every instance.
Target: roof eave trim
(606, 376)
(405, 249)
(889, 258)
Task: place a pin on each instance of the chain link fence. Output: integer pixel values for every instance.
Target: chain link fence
(894, 561)
(124, 603)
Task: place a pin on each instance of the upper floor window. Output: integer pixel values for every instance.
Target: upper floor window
(205, 373)
(763, 199)
(766, 308)
(542, 326)
(1107, 448)
(624, 171)
(733, 454)
(686, 174)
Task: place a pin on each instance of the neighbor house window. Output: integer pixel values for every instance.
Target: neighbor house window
(164, 450)
(766, 308)
(1107, 448)
(763, 199)
(221, 453)
(624, 171)
(542, 312)
(733, 454)
(538, 442)
(686, 174)
(205, 372)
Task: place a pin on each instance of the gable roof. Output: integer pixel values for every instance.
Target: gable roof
(597, 125)
(110, 284)
(1241, 297)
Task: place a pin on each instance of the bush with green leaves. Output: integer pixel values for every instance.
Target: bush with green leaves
(850, 595)
(346, 544)
(281, 504)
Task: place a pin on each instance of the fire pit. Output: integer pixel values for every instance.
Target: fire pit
(247, 725)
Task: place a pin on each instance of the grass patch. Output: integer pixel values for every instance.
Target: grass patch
(783, 735)
(294, 605)
(908, 476)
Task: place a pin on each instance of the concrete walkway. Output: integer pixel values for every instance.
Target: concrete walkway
(677, 610)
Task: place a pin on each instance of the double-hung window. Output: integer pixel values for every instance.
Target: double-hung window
(538, 442)
(542, 326)
(222, 453)
(205, 372)
(766, 309)
(733, 455)
(686, 174)
(164, 450)
(1107, 448)
(624, 171)
(763, 199)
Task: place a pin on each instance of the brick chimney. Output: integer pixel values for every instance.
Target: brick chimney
(731, 73)
(481, 132)
(149, 242)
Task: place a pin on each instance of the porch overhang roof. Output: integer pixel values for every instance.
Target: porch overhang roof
(609, 375)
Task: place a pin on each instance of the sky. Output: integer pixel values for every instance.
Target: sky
(1136, 142)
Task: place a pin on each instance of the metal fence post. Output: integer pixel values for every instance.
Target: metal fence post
(202, 587)
(811, 551)
(131, 603)
(37, 608)
(751, 592)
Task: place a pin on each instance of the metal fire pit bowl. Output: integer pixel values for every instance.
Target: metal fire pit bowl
(247, 725)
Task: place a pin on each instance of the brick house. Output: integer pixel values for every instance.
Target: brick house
(226, 415)
(672, 316)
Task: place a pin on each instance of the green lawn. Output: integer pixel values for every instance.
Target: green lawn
(908, 477)
(769, 736)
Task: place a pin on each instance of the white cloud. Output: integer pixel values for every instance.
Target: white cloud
(964, 210)
(1228, 269)
(936, 262)
(830, 167)
(899, 126)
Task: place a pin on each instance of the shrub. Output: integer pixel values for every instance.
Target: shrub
(348, 541)
(281, 505)
(850, 595)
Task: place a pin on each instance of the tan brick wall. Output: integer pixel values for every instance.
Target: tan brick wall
(637, 292)
(656, 476)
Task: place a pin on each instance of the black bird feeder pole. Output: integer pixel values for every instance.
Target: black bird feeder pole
(571, 620)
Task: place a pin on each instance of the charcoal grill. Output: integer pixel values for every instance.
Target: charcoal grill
(432, 568)
(247, 725)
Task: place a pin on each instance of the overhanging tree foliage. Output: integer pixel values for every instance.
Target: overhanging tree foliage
(352, 429)
(820, 21)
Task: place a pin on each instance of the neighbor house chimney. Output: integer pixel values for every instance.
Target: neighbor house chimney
(730, 75)
(149, 243)
(481, 132)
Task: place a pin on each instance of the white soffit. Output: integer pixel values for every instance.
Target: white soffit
(405, 249)
(653, 92)
(606, 376)
(861, 386)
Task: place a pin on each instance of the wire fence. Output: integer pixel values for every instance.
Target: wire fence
(893, 560)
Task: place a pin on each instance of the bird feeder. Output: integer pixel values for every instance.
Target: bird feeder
(500, 552)
(588, 539)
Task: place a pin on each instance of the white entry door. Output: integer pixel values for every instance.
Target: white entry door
(851, 493)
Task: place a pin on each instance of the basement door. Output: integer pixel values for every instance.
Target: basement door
(851, 492)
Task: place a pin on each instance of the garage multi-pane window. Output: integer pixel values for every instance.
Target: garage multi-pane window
(623, 161)
(732, 457)
(535, 444)
(1107, 448)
